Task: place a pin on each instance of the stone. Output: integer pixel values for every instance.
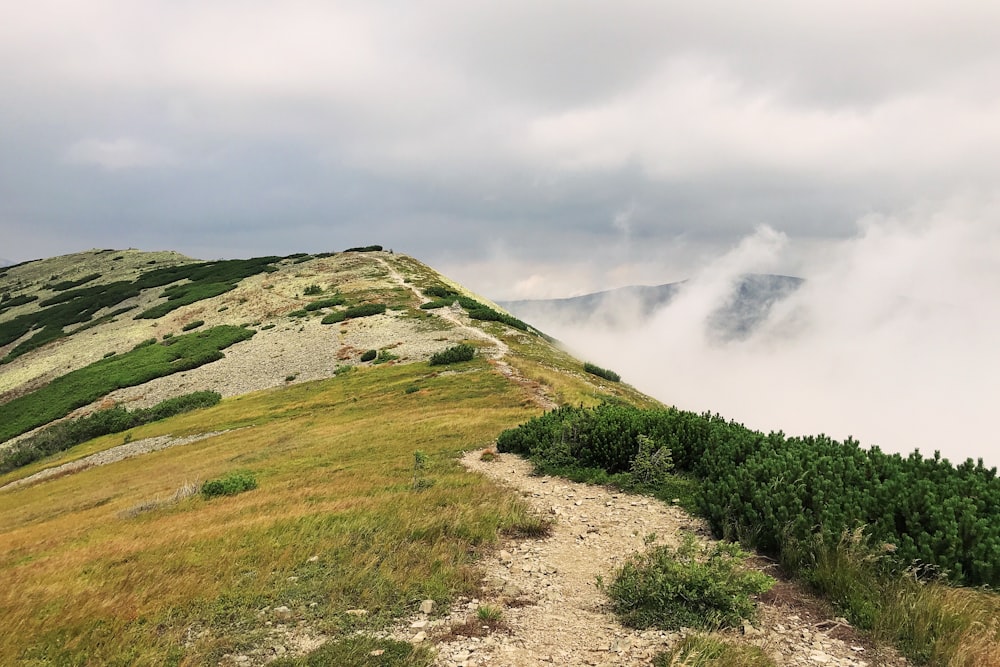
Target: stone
(419, 637)
(505, 557)
(375, 652)
(419, 625)
(282, 613)
(819, 658)
(356, 612)
(312, 559)
(427, 607)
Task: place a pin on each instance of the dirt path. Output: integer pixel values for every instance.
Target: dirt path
(557, 615)
(498, 350)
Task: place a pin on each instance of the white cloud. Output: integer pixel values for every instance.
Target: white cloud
(117, 154)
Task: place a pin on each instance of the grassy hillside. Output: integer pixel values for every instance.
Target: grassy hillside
(122, 564)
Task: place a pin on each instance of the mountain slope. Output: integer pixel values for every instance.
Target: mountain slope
(120, 563)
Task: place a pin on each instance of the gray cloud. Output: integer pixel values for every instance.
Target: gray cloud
(470, 132)
(892, 339)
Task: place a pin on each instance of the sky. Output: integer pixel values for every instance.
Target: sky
(529, 149)
(534, 149)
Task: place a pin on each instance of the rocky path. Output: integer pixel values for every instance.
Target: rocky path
(555, 614)
(498, 349)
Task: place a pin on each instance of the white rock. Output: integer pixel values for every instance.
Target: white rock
(427, 607)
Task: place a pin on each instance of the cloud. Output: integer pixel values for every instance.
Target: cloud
(120, 153)
(891, 339)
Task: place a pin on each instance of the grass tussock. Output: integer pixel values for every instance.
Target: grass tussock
(929, 621)
(710, 651)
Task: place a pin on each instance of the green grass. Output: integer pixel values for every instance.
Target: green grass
(695, 586)
(711, 651)
(334, 521)
(147, 361)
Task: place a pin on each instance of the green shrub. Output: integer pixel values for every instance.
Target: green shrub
(785, 495)
(367, 248)
(453, 355)
(412, 389)
(194, 324)
(145, 343)
(369, 355)
(325, 303)
(85, 385)
(384, 356)
(437, 303)
(230, 485)
(652, 464)
(440, 292)
(299, 313)
(313, 290)
(268, 326)
(602, 372)
(364, 310)
(70, 284)
(109, 354)
(692, 586)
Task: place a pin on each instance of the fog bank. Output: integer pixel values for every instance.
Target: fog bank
(893, 338)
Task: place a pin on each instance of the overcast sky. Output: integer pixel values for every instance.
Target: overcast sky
(527, 148)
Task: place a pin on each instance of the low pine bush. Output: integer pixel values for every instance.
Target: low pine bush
(694, 586)
(192, 325)
(453, 355)
(611, 376)
(369, 355)
(230, 485)
(325, 303)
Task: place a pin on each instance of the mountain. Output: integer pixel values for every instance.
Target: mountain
(276, 461)
(747, 303)
(331, 406)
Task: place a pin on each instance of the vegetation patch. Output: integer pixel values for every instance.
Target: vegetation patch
(611, 376)
(946, 517)
(453, 355)
(85, 385)
(872, 531)
(362, 651)
(367, 248)
(325, 303)
(194, 324)
(369, 355)
(364, 310)
(70, 284)
(707, 651)
(693, 586)
(77, 306)
(230, 485)
(66, 434)
(12, 302)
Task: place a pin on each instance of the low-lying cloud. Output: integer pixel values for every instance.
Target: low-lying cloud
(892, 338)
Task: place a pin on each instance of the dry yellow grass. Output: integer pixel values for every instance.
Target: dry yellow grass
(85, 583)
